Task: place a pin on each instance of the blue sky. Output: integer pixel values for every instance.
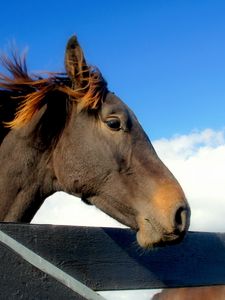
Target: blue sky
(165, 59)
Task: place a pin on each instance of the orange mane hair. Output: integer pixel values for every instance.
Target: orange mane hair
(32, 90)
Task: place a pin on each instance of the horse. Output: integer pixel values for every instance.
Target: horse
(68, 132)
(193, 293)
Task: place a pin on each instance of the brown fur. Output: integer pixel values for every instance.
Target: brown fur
(192, 293)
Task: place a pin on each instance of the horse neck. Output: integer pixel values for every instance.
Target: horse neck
(26, 177)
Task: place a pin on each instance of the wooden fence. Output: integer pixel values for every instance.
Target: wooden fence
(67, 262)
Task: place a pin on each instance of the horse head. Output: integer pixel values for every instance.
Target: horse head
(68, 132)
(105, 157)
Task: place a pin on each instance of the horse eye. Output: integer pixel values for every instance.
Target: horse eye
(113, 124)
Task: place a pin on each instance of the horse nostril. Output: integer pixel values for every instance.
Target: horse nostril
(181, 219)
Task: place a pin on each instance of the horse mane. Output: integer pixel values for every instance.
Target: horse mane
(31, 91)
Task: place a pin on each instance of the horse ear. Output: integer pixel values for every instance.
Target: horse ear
(75, 63)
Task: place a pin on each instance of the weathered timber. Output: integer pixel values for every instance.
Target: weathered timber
(110, 259)
(20, 280)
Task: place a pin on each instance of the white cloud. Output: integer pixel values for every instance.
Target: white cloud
(198, 162)
(65, 209)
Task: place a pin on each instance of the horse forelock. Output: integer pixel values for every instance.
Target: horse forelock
(32, 91)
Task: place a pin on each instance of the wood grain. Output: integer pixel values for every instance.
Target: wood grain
(110, 259)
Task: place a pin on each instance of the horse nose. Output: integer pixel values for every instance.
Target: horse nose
(181, 219)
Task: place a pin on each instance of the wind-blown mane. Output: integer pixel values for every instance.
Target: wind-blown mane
(28, 93)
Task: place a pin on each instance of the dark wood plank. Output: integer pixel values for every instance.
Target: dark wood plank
(109, 259)
(19, 280)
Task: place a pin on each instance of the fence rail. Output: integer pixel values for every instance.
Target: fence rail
(105, 259)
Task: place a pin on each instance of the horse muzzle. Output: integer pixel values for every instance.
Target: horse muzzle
(153, 233)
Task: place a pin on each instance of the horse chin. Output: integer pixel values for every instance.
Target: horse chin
(149, 234)
(153, 234)
(158, 240)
